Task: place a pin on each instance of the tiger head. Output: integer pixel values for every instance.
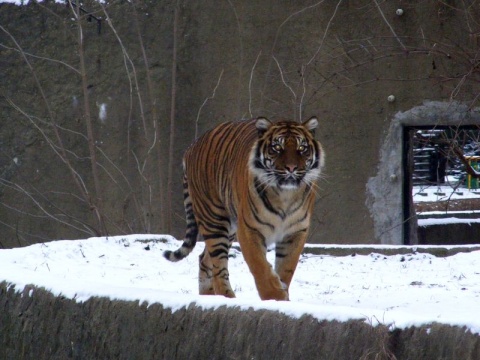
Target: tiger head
(286, 154)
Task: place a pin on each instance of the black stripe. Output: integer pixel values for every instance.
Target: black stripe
(214, 226)
(219, 207)
(223, 273)
(213, 236)
(316, 164)
(213, 217)
(298, 221)
(263, 196)
(259, 164)
(220, 253)
(207, 210)
(185, 245)
(262, 237)
(301, 202)
(224, 244)
(254, 211)
(291, 237)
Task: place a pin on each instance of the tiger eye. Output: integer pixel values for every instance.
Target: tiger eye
(277, 147)
(302, 148)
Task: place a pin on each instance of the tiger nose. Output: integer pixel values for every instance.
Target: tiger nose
(291, 168)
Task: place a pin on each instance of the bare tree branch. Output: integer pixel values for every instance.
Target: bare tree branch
(172, 117)
(250, 85)
(285, 83)
(96, 202)
(43, 58)
(389, 25)
(468, 167)
(205, 102)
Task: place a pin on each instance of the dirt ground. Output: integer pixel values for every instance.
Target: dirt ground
(449, 205)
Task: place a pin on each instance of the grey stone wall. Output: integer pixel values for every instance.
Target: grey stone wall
(337, 60)
(385, 190)
(34, 324)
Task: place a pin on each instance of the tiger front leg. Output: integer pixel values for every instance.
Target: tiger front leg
(268, 283)
(287, 254)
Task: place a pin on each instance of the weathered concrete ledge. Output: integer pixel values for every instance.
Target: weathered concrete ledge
(34, 324)
(440, 251)
(461, 233)
(349, 250)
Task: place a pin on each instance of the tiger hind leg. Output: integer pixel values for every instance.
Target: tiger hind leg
(217, 251)
(205, 274)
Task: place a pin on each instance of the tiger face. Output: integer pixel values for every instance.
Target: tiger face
(286, 154)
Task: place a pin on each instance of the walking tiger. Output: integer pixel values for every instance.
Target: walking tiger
(254, 181)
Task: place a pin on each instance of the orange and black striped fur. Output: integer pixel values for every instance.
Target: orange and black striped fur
(254, 181)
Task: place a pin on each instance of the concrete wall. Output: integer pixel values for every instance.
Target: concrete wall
(385, 191)
(448, 234)
(291, 59)
(36, 325)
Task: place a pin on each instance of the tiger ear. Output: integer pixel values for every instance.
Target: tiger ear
(262, 124)
(311, 124)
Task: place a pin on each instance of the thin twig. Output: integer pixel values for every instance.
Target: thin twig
(96, 202)
(62, 153)
(205, 102)
(172, 118)
(48, 214)
(389, 25)
(134, 70)
(250, 85)
(242, 55)
(284, 81)
(324, 34)
(43, 58)
(274, 44)
(312, 59)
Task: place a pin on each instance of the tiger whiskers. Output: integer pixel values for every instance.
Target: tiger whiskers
(312, 180)
(313, 186)
(266, 180)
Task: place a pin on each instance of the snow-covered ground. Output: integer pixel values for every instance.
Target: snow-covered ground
(434, 193)
(399, 291)
(452, 192)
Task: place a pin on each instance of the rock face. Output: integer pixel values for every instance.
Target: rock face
(34, 324)
(361, 67)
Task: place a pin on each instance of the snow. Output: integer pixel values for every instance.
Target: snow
(446, 221)
(25, 2)
(399, 290)
(443, 193)
(435, 193)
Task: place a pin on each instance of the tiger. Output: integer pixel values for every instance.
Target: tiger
(254, 181)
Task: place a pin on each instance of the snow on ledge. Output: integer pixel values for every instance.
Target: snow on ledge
(26, 2)
(398, 291)
(446, 221)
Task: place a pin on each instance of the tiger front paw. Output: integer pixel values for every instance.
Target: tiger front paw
(276, 291)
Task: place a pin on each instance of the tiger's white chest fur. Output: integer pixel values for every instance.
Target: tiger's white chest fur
(280, 213)
(290, 218)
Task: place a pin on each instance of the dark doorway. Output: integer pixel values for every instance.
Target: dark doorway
(438, 193)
